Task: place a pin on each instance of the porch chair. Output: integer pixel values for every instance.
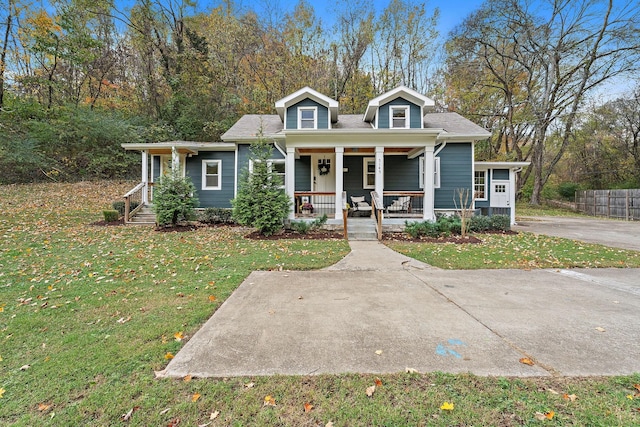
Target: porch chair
(401, 204)
(358, 204)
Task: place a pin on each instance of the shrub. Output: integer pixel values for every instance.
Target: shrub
(173, 199)
(448, 225)
(480, 223)
(216, 216)
(119, 206)
(261, 202)
(419, 229)
(567, 190)
(500, 222)
(111, 215)
(303, 227)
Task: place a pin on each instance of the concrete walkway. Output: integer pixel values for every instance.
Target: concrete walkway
(377, 311)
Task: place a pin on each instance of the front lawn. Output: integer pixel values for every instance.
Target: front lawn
(87, 314)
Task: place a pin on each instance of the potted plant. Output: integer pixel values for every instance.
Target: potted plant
(307, 208)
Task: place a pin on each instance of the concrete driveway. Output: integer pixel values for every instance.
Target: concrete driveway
(610, 232)
(377, 311)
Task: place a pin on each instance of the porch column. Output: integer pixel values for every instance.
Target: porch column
(512, 195)
(428, 213)
(339, 166)
(380, 174)
(175, 160)
(290, 179)
(145, 177)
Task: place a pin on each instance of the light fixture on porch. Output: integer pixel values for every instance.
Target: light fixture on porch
(324, 166)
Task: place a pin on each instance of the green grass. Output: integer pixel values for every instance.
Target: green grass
(522, 251)
(89, 314)
(525, 209)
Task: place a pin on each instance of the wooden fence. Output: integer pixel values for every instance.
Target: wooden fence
(620, 204)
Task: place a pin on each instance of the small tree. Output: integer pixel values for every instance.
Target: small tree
(261, 201)
(465, 198)
(173, 199)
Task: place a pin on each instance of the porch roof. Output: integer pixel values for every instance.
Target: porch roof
(190, 147)
(501, 165)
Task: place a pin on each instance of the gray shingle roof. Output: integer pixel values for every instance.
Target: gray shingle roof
(248, 126)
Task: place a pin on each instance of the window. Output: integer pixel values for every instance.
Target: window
(307, 117)
(399, 117)
(275, 166)
(500, 188)
(369, 175)
(436, 172)
(480, 185)
(211, 174)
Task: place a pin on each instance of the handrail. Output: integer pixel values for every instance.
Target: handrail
(134, 189)
(377, 210)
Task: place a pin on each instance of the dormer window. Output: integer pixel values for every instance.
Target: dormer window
(307, 117)
(399, 117)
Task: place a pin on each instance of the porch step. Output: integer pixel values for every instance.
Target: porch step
(361, 229)
(144, 216)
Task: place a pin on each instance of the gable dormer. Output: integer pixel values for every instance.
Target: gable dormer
(307, 109)
(400, 108)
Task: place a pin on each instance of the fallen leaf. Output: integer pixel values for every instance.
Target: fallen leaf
(212, 298)
(127, 416)
(544, 416)
(25, 367)
(636, 386)
(249, 385)
(552, 391)
(214, 415)
(187, 378)
(164, 411)
(630, 396)
(599, 329)
(571, 397)
(308, 407)
(527, 361)
(378, 382)
(329, 424)
(269, 401)
(370, 390)
(410, 371)
(378, 352)
(446, 406)
(178, 336)
(42, 407)
(195, 397)
(174, 423)
(2, 392)
(169, 356)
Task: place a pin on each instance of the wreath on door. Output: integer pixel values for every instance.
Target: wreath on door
(324, 166)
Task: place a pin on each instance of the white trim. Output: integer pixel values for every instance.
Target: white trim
(235, 175)
(379, 171)
(290, 178)
(300, 119)
(339, 165)
(365, 173)
(400, 92)
(407, 116)
(307, 92)
(205, 163)
(486, 181)
(436, 172)
(429, 192)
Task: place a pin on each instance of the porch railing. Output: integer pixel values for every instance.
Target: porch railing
(133, 200)
(403, 204)
(377, 211)
(313, 204)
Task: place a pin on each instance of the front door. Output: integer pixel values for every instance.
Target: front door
(323, 180)
(500, 191)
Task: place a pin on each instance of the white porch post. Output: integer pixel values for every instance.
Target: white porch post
(512, 195)
(175, 159)
(429, 166)
(145, 177)
(339, 166)
(380, 173)
(290, 178)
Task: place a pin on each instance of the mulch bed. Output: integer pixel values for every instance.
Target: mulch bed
(289, 234)
(403, 237)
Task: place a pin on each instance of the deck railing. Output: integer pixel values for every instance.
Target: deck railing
(377, 211)
(133, 200)
(313, 204)
(403, 204)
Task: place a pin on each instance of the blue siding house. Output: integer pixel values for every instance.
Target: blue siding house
(415, 160)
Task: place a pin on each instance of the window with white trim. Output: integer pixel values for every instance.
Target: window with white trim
(399, 117)
(212, 174)
(369, 173)
(436, 172)
(307, 117)
(277, 166)
(480, 185)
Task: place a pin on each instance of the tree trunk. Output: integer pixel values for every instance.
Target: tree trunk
(3, 55)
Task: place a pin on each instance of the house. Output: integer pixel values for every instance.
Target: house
(413, 158)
